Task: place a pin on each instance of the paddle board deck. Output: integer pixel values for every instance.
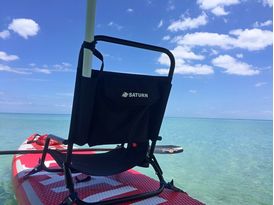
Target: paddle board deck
(48, 188)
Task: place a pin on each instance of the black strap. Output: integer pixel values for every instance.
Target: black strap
(95, 52)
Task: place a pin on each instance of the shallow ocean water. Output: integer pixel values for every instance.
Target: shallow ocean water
(224, 161)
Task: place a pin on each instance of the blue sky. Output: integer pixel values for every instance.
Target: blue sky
(223, 51)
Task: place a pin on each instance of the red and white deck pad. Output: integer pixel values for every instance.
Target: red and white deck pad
(49, 188)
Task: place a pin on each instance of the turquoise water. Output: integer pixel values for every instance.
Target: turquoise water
(225, 162)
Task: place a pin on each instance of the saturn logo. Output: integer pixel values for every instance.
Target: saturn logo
(134, 95)
(125, 95)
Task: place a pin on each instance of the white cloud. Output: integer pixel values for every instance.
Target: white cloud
(129, 10)
(24, 27)
(239, 55)
(205, 39)
(66, 64)
(188, 23)
(181, 54)
(214, 52)
(115, 25)
(233, 66)
(5, 68)
(184, 69)
(41, 70)
(250, 39)
(225, 20)
(192, 91)
(216, 6)
(211, 4)
(160, 24)
(260, 84)
(5, 57)
(63, 67)
(170, 6)
(267, 2)
(186, 53)
(219, 11)
(263, 24)
(166, 38)
(4, 34)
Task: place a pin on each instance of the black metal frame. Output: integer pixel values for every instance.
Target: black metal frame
(73, 197)
(150, 159)
(137, 45)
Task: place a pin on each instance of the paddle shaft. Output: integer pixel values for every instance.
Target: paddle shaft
(89, 36)
(161, 149)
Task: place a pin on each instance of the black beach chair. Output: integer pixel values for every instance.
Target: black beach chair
(114, 108)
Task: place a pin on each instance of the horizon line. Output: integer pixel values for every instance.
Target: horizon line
(167, 116)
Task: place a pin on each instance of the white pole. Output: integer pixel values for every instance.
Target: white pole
(89, 36)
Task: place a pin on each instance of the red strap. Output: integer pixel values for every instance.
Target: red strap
(41, 140)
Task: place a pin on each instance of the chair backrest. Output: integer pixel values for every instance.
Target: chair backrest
(114, 108)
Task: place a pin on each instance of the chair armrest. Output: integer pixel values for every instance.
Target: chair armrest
(58, 139)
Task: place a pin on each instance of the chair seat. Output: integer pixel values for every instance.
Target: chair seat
(104, 164)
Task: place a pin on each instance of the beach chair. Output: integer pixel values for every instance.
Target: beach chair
(114, 108)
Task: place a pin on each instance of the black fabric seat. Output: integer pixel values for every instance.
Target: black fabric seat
(113, 108)
(104, 164)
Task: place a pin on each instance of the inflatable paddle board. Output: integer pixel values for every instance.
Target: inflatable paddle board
(48, 188)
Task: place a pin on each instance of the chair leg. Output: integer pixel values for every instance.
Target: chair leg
(157, 168)
(168, 185)
(73, 198)
(68, 178)
(41, 163)
(70, 200)
(36, 169)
